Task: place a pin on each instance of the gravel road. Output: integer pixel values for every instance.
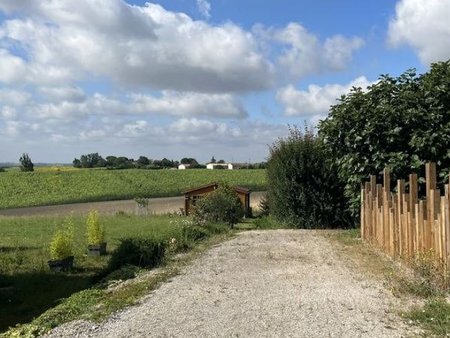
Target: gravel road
(160, 205)
(281, 283)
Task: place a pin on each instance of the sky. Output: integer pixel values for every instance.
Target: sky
(194, 78)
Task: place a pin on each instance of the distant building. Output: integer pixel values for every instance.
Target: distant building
(211, 166)
(183, 166)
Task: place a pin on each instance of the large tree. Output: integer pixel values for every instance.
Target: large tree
(25, 163)
(399, 122)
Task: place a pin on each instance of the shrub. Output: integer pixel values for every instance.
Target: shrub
(220, 206)
(303, 188)
(399, 122)
(95, 232)
(61, 245)
(142, 252)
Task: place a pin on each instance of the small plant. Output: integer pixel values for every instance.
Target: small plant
(61, 245)
(95, 231)
(141, 252)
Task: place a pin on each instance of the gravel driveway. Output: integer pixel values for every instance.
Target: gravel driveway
(281, 283)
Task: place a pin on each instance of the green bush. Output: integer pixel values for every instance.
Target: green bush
(142, 252)
(61, 245)
(399, 122)
(303, 188)
(220, 206)
(95, 232)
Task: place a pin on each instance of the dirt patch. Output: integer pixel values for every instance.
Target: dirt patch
(261, 283)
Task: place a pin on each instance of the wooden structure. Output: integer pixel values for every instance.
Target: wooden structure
(403, 225)
(193, 195)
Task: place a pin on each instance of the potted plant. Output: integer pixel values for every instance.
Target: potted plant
(61, 248)
(95, 233)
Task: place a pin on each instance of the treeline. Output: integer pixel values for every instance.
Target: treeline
(94, 160)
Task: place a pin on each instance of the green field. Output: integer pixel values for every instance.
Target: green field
(21, 189)
(27, 287)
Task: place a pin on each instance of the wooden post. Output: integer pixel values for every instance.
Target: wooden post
(401, 211)
(386, 207)
(413, 200)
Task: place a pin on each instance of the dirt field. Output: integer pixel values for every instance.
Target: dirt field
(281, 283)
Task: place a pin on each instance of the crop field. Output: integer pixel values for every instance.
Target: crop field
(47, 187)
(27, 287)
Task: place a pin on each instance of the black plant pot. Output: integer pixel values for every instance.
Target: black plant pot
(97, 250)
(58, 265)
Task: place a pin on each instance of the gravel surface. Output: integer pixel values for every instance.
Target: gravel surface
(162, 205)
(281, 283)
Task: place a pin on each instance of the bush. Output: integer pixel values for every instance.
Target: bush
(61, 245)
(95, 232)
(220, 206)
(142, 252)
(303, 188)
(399, 122)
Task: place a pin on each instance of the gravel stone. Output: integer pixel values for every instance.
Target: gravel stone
(279, 283)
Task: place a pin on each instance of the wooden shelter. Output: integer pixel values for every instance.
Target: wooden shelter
(191, 196)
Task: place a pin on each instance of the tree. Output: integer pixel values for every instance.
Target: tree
(302, 187)
(25, 163)
(142, 162)
(76, 163)
(399, 123)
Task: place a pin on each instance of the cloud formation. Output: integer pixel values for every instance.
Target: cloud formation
(424, 26)
(204, 8)
(316, 100)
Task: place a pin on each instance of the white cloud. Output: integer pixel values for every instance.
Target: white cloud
(189, 104)
(204, 7)
(423, 25)
(305, 54)
(317, 99)
(14, 97)
(133, 45)
(12, 68)
(57, 94)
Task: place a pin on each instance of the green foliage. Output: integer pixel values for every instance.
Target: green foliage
(25, 163)
(220, 206)
(143, 252)
(61, 245)
(303, 189)
(95, 232)
(267, 222)
(399, 123)
(434, 317)
(86, 185)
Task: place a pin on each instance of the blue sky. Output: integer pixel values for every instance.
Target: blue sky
(194, 78)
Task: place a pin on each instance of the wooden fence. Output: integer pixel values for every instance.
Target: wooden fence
(403, 225)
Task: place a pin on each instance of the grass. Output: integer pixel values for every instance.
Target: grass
(28, 288)
(420, 280)
(47, 187)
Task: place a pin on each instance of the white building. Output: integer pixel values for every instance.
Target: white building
(183, 166)
(211, 166)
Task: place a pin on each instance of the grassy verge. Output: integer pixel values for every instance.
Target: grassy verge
(419, 280)
(28, 288)
(21, 189)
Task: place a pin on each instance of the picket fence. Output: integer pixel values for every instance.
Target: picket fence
(403, 225)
